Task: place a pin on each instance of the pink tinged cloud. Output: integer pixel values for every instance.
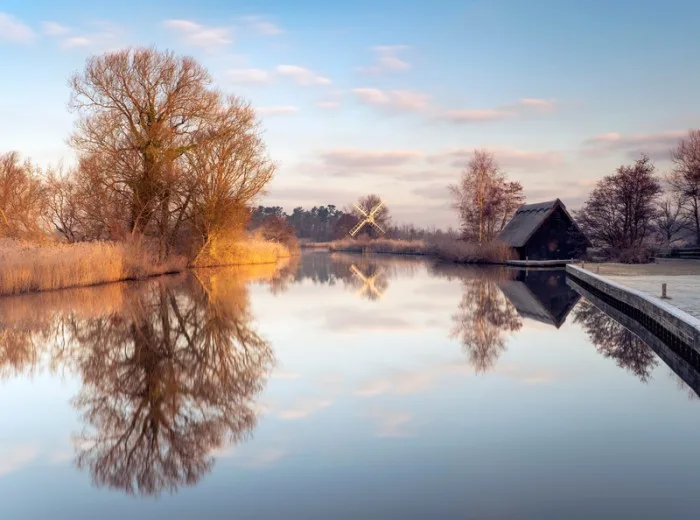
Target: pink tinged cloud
(520, 108)
(54, 28)
(261, 26)
(395, 99)
(328, 105)
(657, 145)
(301, 75)
(478, 115)
(387, 59)
(506, 157)
(277, 110)
(199, 35)
(13, 30)
(355, 158)
(249, 76)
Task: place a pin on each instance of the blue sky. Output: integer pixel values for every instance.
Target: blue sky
(389, 96)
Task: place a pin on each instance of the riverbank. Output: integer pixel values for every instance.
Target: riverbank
(27, 267)
(663, 317)
(456, 251)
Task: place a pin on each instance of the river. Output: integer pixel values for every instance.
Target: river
(342, 386)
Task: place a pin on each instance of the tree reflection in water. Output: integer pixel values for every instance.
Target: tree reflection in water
(167, 381)
(485, 317)
(614, 341)
(169, 368)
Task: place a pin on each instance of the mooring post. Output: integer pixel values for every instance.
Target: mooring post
(663, 292)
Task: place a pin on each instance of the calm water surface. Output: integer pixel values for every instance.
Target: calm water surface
(342, 387)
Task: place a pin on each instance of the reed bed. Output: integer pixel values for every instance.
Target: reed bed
(447, 250)
(29, 267)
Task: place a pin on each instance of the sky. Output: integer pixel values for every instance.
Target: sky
(389, 97)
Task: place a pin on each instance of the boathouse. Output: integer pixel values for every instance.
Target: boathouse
(544, 231)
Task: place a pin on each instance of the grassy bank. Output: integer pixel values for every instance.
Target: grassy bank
(29, 267)
(446, 250)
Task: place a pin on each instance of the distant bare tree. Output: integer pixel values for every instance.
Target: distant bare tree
(620, 212)
(484, 198)
(685, 179)
(670, 220)
(63, 205)
(22, 197)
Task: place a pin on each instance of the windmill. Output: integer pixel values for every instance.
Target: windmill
(369, 287)
(368, 219)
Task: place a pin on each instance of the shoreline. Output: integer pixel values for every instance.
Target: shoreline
(30, 268)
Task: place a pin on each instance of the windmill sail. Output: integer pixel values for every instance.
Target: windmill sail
(369, 219)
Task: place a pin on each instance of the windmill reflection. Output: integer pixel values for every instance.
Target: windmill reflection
(372, 284)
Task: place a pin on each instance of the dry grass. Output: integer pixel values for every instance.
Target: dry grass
(244, 251)
(471, 253)
(381, 246)
(27, 267)
(447, 250)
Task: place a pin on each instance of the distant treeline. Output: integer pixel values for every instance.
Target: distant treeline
(326, 223)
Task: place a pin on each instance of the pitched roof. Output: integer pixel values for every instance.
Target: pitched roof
(527, 220)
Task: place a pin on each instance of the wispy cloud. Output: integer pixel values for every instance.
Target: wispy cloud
(433, 191)
(393, 99)
(521, 108)
(387, 59)
(13, 30)
(261, 26)
(277, 110)
(391, 424)
(249, 76)
(102, 36)
(477, 115)
(304, 408)
(509, 158)
(198, 35)
(281, 374)
(356, 158)
(411, 382)
(301, 75)
(13, 458)
(54, 28)
(657, 145)
(328, 105)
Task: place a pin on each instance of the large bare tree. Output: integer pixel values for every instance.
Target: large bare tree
(685, 178)
(484, 198)
(619, 214)
(161, 150)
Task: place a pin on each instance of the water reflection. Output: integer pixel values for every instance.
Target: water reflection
(541, 295)
(367, 275)
(169, 369)
(614, 341)
(485, 317)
